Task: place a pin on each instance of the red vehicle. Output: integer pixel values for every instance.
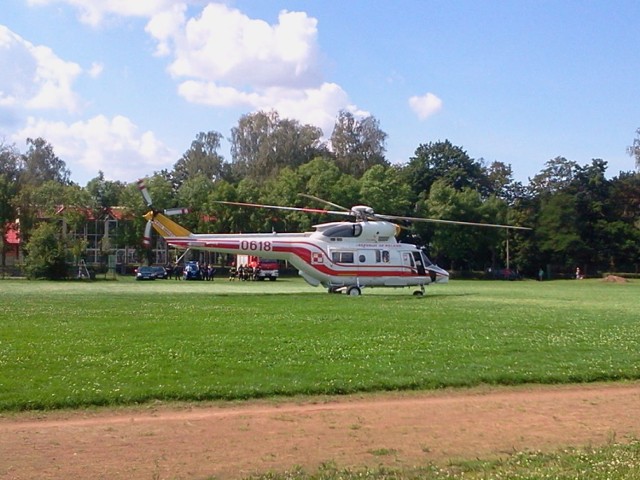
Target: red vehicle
(262, 268)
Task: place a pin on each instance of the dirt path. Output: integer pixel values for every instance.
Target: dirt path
(236, 440)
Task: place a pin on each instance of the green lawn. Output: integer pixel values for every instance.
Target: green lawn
(611, 462)
(73, 344)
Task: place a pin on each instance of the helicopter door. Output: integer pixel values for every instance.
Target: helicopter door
(419, 265)
(366, 257)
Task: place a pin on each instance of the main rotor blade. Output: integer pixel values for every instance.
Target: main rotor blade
(176, 211)
(145, 193)
(321, 200)
(279, 207)
(452, 222)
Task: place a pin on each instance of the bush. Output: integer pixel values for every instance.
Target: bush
(46, 254)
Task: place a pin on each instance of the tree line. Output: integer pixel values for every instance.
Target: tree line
(579, 217)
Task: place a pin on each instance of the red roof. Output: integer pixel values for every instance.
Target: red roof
(118, 213)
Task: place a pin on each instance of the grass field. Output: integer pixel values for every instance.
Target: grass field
(72, 344)
(611, 462)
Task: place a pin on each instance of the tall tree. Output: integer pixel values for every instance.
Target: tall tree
(625, 230)
(447, 162)
(228, 219)
(202, 158)
(105, 193)
(263, 143)
(557, 231)
(193, 194)
(40, 164)
(556, 176)
(383, 189)
(501, 183)
(634, 149)
(9, 173)
(358, 144)
(461, 246)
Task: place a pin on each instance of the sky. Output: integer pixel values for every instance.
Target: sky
(125, 86)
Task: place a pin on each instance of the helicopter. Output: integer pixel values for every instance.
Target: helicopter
(342, 256)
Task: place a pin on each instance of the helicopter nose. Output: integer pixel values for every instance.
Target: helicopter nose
(437, 274)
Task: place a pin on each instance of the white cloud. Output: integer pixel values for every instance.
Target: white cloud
(230, 60)
(34, 76)
(224, 58)
(116, 146)
(426, 105)
(224, 45)
(166, 26)
(315, 106)
(96, 69)
(93, 12)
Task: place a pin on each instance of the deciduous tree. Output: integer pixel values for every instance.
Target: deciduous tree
(40, 164)
(447, 162)
(358, 144)
(202, 158)
(263, 143)
(9, 173)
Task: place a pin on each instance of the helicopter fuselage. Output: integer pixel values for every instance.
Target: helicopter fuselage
(336, 255)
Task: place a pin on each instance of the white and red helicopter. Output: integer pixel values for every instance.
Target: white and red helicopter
(341, 256)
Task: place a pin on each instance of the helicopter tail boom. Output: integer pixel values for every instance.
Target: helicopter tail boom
(166, 227)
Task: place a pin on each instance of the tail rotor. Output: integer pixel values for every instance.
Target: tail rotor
(146, 240)
(145, 193)
(150, 216)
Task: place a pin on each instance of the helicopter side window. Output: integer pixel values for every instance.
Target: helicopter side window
(342, 257)
(385, 256)
(345, 230)
(407, 259)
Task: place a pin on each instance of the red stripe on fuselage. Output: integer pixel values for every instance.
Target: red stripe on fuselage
(305, 254)
(303, 251)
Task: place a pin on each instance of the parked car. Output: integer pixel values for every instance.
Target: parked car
(145, 273)
(160, 272)
(191, 271)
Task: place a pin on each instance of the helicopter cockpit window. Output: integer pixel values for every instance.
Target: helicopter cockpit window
(425, 260)
(346, 230)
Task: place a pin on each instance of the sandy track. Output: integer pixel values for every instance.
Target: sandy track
(235, 440)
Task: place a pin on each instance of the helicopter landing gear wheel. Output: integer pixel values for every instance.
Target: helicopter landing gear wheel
(418, 293)
(354, 291)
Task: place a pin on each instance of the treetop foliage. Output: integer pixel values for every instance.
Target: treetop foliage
(579, 216)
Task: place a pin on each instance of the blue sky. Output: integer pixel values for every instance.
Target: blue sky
(125, 86)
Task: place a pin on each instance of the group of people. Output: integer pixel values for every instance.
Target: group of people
(202, 272)
(579, 274)
(244, 273)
